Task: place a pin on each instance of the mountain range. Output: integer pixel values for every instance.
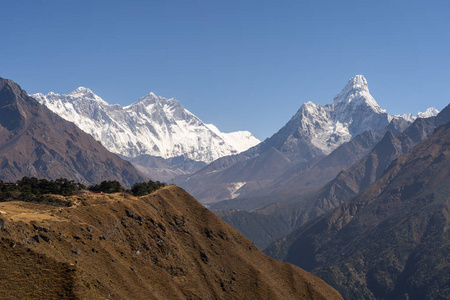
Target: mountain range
(274, 221)
(157, 128)
(34, 141)
(313, 133)
(391, 241)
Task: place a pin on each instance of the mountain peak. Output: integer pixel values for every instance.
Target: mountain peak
(82, 90)
(149, 97)
(85, 93)
(430, 112)
(355, 84)
(355, 93)
(358, 82)
(152, 98)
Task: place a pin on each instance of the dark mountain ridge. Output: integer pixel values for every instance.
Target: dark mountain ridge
(36, 142)
(390, 241)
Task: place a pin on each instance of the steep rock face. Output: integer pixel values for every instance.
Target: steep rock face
(153, 126)
(390, 241)
(36, 142)
(162, 246)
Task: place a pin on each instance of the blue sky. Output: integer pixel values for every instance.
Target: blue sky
(241, 65)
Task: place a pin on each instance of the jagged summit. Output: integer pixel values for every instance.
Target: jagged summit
(150, 95)
(358, 82)
(82, 89)
(325, 127)
(85, 93)
(152, 98)
(430, 112)
(355, 84)
(356, 93)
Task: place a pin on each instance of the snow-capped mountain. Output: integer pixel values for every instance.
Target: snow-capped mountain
(352, 112)
(430, 112)
(153, 125)
(314, 132)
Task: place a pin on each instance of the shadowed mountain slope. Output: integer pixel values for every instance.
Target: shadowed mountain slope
(165, 245)
(36, 142)
(392, 240)
(308, 205)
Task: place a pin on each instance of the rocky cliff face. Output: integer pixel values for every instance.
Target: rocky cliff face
(36, 142)
(162, 246)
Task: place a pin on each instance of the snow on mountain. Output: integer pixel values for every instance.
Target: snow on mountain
(275, 166)
(354, 94)
(430, 112)
(153, 125)
(239, 140)
(352, 112)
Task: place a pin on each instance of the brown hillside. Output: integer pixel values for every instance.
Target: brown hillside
(162, 246)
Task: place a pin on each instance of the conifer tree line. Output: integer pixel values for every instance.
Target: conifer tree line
(40, 190)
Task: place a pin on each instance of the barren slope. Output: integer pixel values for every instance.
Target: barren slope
(162, 246)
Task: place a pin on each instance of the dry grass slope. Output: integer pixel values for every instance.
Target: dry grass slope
(162, 246)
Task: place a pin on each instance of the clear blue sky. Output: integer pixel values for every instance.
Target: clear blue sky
(241, 65)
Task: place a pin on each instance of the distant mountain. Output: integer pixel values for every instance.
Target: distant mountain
(430, 112)
(165, 245)
(153, 126)
(274, 221)
(36, 142)
(312, 133)
(391, 241)
(355, 179)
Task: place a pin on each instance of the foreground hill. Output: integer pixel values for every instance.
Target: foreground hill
(392, 240)
(36, 142)
(162, 246)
